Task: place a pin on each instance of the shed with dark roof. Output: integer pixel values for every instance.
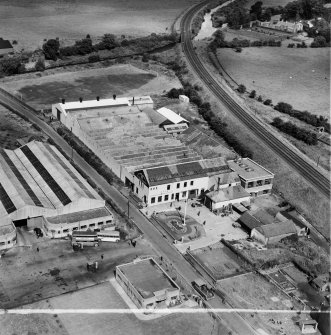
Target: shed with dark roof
(249, 222)
(5, 47)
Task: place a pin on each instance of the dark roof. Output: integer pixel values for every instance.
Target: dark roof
(277, 229)
(292, 217)
(5, 44)
(264, 217)
(249, 221)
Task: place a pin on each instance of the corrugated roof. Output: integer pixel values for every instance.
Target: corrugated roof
(277, 229)
(249, 221)
(171, 115)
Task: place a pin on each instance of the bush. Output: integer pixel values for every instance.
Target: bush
(11, 66)
(267, 102)
(241, 88)
(94, 58)
(14, 42)
(145, 58)
(51, 49)
(252, 94)
(259, 98)
(291, 45)
(40, 65)
(299, 133)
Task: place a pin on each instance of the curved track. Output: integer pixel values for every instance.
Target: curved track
(307, 170)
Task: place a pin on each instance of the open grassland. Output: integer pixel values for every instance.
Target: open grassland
(71, 84)
(299, 77)
(102, 296)
(31, 21)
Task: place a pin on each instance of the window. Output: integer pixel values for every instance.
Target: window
(75, 228)
(178, 185)
(100, 223)
(83, 227)
(137, 190)
(184, 194)
(185, 184)
(66, 230)
(109, 221)
(250, 184)
(92, 225)
(172, 196)
(259, 183)
(153, 200)
(265, 191)
(267, 182)
(166, 197)
(192, 182)
(168, 187)
(159, 199)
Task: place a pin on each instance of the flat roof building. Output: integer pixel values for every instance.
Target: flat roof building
(147, 284)
(256, 179)
(37, 185)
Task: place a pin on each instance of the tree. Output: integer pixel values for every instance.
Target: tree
(173, 94)
(11, 66)
(256, 9)
(40, 65)
(51, 49)
(241, 88)
(252, 94)
(94, 58)
(84, 46)
(259, 98)
(283, 107)
(267, 102)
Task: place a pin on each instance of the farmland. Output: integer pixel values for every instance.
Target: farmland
(299, 77)
(31, 21)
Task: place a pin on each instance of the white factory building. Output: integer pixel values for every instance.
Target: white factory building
(40, 188)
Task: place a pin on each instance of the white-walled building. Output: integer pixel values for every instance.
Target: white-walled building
(40, 188)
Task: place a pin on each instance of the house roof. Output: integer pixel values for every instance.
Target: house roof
(171, 115)
(5, 44)
(264, 217)
(226, 194)
(277, 229)
(249, 221)
(185, 171)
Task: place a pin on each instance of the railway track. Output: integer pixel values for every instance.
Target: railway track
(319, 181)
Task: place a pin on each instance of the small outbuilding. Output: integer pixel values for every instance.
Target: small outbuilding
(272, 233)
(249, 222)
(5, 47)
(184, 99)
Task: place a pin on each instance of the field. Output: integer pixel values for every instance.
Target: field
(72, 83)
(102, 296)
(220, 260)
(299, 77)
(31, 21)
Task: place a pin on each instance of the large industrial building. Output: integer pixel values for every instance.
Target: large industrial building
(40, 188)
(158, 155)
(147, 284)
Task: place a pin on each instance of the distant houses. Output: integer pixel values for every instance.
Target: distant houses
(277, 23)
(5, 47)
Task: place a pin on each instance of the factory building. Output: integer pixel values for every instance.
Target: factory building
(39, 188)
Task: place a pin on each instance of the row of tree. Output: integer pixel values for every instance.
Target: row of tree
(215, 122)
(314, 120)
(52, 50)
(301, 134)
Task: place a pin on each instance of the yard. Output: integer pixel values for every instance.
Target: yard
(30, 22)
(102, 296)
(283, 74)
(252, 291)
(41, 91)
(220, 260)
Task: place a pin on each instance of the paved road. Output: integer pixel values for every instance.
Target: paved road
(229, 320)
(307, 170)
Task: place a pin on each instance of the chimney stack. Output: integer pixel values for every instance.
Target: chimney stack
(98, 98)
(80, 99)
(133, 101)
(63, 101)
(114, 96)
(218, 183)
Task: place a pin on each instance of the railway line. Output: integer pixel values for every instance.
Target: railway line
(318, 180)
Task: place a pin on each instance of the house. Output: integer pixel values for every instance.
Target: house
(5, 47)
(321, 283)
(277, 24)
(222, 200)
(249, 222)
(264, 217)
(254, 178)
(272, 233)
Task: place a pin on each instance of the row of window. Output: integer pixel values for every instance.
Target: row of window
(166, 197)
(91, 226)
(259, 183)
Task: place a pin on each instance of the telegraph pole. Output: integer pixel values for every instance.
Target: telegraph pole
(128, 208)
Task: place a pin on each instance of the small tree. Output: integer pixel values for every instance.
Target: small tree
(94, 58)
(88, 36)
(267, 102)
(51, 49)
(145, 58)
(40, 65)
(259, 99)
(252, 94)
(241, 88)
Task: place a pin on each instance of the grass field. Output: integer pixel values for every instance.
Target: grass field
(31, 21)
(125, 80)
(299, 77)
